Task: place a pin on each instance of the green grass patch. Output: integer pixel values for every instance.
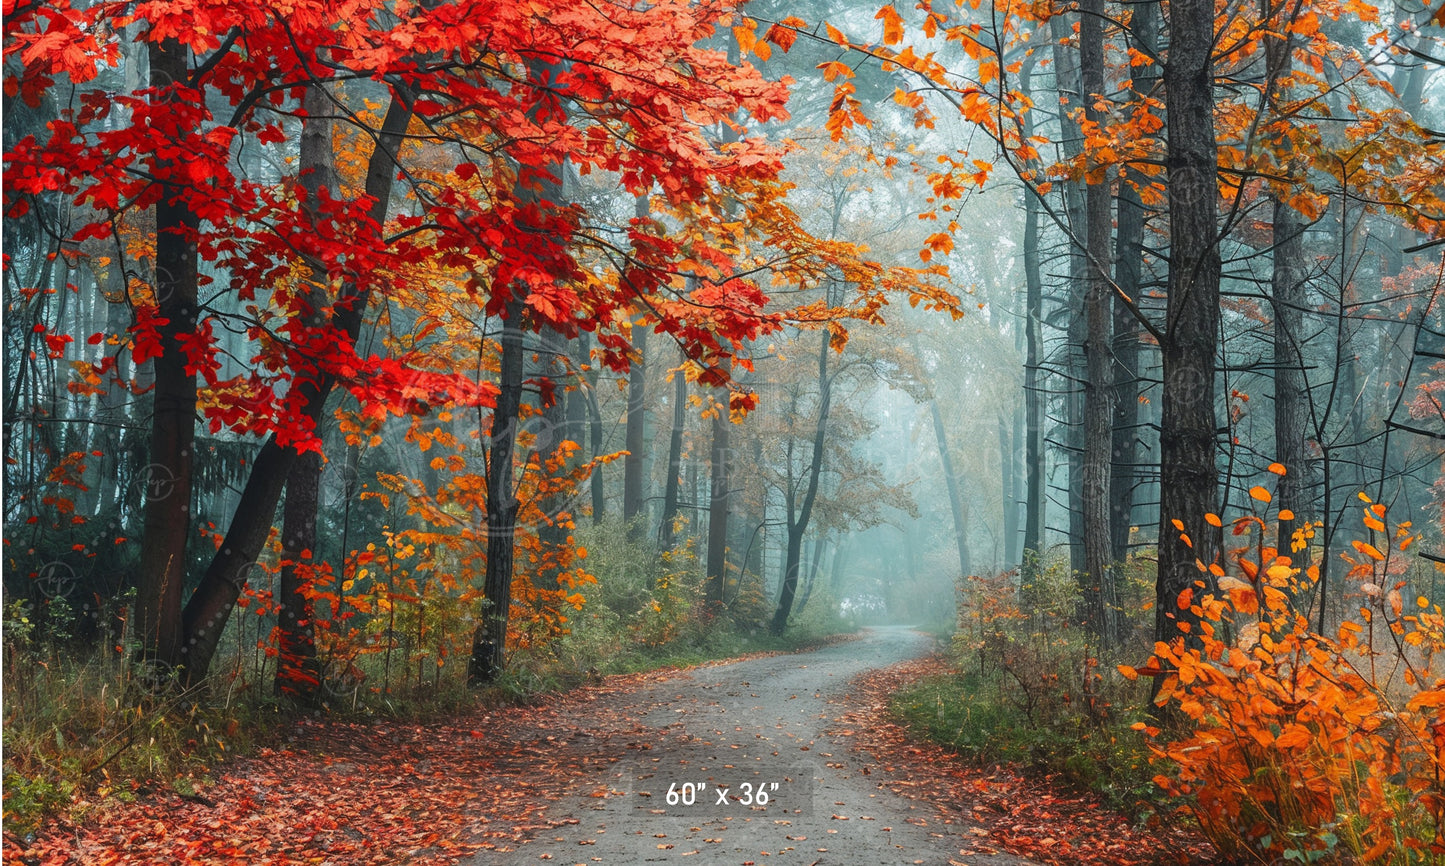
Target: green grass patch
(958, 712)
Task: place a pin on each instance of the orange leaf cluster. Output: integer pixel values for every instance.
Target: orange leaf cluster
(1291, 729)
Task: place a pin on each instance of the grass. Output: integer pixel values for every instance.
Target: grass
(961, 713)
(79, 729)
(1030, 689)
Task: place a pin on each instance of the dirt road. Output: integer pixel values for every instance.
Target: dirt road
(737, 764)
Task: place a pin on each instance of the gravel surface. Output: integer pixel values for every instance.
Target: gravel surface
(766, 724)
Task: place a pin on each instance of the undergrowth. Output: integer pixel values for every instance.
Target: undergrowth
(1029, 689)
(79, 727)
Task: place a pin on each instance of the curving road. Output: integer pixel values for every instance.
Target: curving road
(748, 726)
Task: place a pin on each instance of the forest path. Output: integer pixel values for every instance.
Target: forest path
(777, 724)
(582, 777)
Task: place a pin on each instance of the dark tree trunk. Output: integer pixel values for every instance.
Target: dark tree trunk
(210, 606)
(1006, 491)
(298, 675)
(1129, 276)
(633, 479)
(553, 532)
(489, 643)
(717, 517)
(813, 568)
(674, 459)
(168, 478)
(575, 403)
(596, 435)
(1033, 454)
(1100, 602)
(1287, 293)
(1187, 438)
(1291, 414)
(297, 671)
(1034, 501)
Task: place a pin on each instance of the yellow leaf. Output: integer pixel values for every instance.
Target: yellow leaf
(746, 37)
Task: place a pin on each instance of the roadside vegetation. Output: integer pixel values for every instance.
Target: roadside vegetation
(1284, 737)
(82, 728)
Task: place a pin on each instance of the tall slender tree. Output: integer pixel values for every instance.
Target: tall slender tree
(1187, 437)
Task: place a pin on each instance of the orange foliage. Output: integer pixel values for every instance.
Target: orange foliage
(1305, 746)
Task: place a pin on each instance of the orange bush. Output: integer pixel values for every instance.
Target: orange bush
(1304, 747)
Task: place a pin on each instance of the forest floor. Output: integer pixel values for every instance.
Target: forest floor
(584, 777)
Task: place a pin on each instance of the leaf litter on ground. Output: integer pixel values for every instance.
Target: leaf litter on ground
(352, 793)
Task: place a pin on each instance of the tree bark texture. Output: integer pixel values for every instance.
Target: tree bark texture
(162, 576)
(489, 643)
(1188, 475)
(297, 671)
(1129, 277)
(1071, 140)
(1100, 601)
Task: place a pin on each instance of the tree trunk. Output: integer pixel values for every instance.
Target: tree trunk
(674, 460)
(210, 605)
(298, 675)
(168, 478)
(1129, 276)
(1287, 294)
(798, 516)
(955, 493)
(1033, 499)
(594, 423)
(489, 642)
(1100, 602)
(717, 516)
(1071, 139)
(1291, 415)
(297, 671)
(633, 481)
(1187, 437)
(813, 567)
(553, 532)
(1006, 491)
